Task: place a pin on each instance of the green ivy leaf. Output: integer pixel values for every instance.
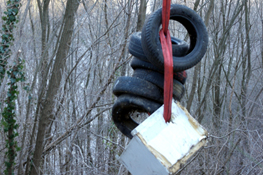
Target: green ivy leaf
(12, 80)
(15, 75)
(8, 94)
(15, 11)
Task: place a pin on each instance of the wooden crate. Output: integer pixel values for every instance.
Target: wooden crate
(159, 148)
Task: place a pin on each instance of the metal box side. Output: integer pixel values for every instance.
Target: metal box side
(140, 161)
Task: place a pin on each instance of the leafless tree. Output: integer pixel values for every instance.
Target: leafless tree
(74, 51)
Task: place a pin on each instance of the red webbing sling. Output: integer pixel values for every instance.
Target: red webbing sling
(166, 43)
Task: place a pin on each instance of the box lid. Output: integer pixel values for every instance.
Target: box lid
(171, 141)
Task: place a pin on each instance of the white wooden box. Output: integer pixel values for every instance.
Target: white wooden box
(159, 148)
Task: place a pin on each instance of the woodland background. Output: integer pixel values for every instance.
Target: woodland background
(75, 49)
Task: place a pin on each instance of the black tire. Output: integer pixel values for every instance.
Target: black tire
(136, 63)
(135, 46)
(157, 79)
(194, 25)
(179, 90)
(180, 76)
(180, 47)
(139, 87)
(124, 105)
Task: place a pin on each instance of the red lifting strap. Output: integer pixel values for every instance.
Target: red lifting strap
(166, 43)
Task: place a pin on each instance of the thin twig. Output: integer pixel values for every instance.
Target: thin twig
(230, 155)
(255, 166)
(107, 139)
(226, 134)
(180, 170)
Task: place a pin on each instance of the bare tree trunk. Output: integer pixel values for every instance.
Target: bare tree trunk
(43, 13)
(99, 145)
(196, 4)
(47, 112)
(246, 70)
(197, 68)
(193, 89)
(141, 15)
(262, 41)
(44, 18)
(217, 100)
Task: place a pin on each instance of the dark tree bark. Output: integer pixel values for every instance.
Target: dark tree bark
(141, 15)
(46, 113)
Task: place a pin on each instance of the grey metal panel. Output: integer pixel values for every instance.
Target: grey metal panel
(140, 161)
